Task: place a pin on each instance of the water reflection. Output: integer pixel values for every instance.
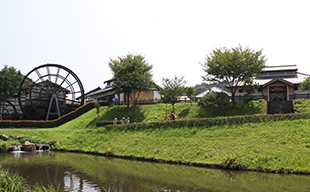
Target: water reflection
(81, 172)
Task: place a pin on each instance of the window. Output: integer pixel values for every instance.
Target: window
(296, 88)
(240, 90)
(260, 89)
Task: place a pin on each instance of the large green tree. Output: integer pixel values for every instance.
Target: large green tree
(172, 90)
(132, 75)
(233, 66)
(10, 79)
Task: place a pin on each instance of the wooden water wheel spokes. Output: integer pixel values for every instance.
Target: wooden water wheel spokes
(50, 91)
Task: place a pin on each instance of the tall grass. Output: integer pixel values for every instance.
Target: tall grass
(12, 182)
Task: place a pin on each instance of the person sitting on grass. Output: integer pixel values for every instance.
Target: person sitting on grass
(172, 116)
(123, 121)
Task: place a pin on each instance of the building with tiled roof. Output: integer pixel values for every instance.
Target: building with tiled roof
(108, 94)
(277, 83)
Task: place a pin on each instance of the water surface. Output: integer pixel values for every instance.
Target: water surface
(83, 172)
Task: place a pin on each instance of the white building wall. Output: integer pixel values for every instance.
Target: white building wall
(157, 95)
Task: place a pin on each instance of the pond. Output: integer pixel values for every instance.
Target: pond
(83, 172)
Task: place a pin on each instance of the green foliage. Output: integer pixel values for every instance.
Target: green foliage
(211, 121)
(10, 79)
(132, 76)
(12, 182)
(172, 90)
(249, 89)
(189, 91)
(301, 105)
(233, 66)
(214, 100)
(305, 85)
(217, 104)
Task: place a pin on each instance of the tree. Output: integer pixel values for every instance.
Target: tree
(172, 90)
(233, 66)
(10, 79)
(132, 76)
(305, 85)
(189, 92)
(97, 106)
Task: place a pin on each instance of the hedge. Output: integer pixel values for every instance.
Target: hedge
(50, 123)
(212, 121)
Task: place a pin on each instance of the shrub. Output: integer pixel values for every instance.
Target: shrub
(212, 121)
(214, 100)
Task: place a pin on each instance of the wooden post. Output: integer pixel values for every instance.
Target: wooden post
(268, 94)
(287, 93)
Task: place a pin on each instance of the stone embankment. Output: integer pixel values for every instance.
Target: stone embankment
(26, 146)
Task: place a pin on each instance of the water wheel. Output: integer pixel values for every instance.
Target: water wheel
(50, 91)
(7, 110)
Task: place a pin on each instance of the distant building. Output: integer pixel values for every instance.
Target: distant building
(108, 94)
(212, 89)
(277, 83)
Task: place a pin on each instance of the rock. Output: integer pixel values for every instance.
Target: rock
(29, 146)
(4, 137)
(45, 147)
(15, 148)
(53, 142)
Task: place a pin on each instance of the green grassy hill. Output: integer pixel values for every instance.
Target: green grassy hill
(161, 112)
(282, 146)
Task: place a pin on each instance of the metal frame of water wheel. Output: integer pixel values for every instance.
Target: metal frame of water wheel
(3, 108)
(48, 90)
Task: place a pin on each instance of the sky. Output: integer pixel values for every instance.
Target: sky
(173, 35)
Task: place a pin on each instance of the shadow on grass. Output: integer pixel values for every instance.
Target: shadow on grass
(184, 113)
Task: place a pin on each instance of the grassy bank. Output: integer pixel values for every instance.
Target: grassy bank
(279, 146)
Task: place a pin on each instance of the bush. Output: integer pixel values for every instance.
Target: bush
(214, 100)
(212, 121)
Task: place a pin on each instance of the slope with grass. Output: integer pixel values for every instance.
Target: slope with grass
(280, 146)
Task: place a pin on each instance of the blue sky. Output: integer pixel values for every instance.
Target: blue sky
(174, 36)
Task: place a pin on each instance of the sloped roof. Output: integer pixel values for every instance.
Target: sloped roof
(100, 91)
(212, 89)
(278, 79)
(280, 68)
(89, 92)
(300, 77)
